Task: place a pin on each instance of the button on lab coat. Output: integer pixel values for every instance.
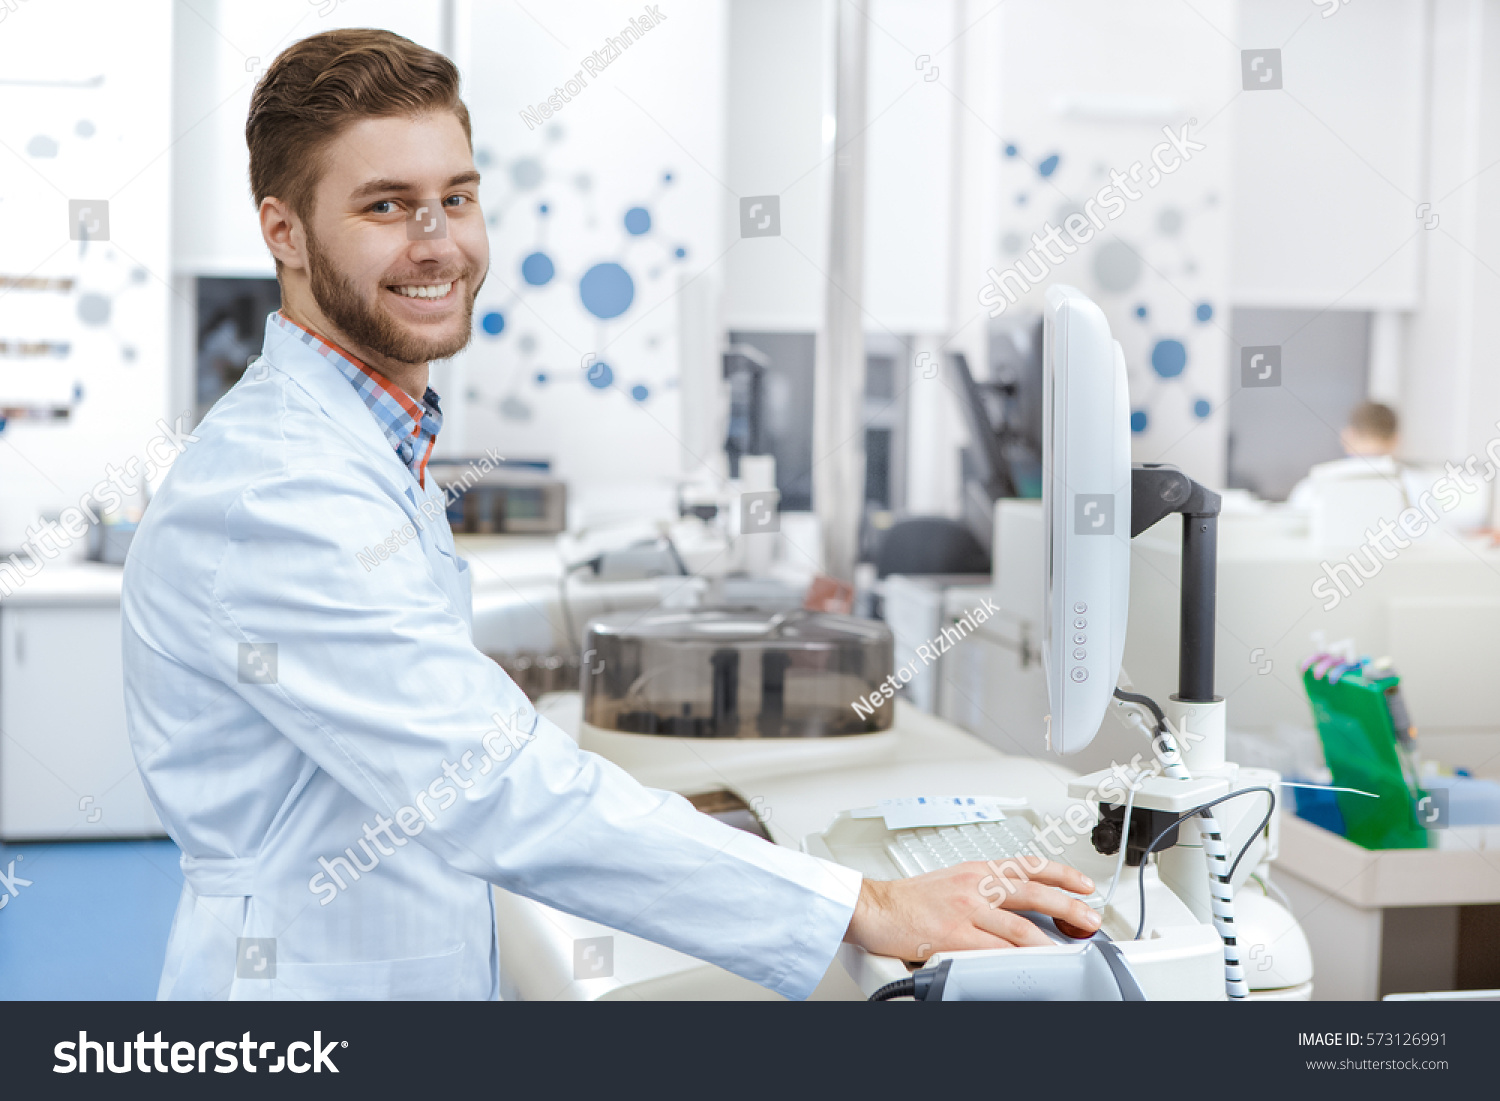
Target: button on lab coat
(346, 774)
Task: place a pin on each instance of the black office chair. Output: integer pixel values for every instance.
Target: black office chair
(930, 544)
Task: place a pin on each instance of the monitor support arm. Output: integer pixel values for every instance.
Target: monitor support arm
(1156, 491)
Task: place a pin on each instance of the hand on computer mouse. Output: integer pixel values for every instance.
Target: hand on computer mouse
(956, 909)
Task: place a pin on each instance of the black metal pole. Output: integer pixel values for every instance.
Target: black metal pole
(1195, 660)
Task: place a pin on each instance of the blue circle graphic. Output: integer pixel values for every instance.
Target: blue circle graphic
(1168, 358)
(599, 374)
(680, 252)
(493, 323)
(1010, 150)
(1138, 421)
(1205, 312)
(1201, 408)
(607, 290)
(637, 220)
(1141, 312)
(541, 378)
(537, 269)
(639, 392)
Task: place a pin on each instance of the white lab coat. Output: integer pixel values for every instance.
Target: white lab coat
(381, 702)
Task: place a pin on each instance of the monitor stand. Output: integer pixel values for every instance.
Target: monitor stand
(1156, 491)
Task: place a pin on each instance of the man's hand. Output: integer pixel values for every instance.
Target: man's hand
(956, 909)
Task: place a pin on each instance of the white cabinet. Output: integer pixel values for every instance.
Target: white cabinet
(66, 769)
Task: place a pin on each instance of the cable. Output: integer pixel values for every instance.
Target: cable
(1146, 702)
(1140, 928)
(901, 988)
(1221, 883)
(1124, 844)
(1271, 889)
(1264, 822)
(677, 560)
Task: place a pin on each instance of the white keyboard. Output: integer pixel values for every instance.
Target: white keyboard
(928, 848)
(865, 845)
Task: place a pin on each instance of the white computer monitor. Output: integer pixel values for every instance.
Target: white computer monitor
(1086, 515)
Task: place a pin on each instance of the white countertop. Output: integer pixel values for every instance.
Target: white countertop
(65, 582)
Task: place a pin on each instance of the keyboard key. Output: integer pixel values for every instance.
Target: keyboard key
(903, 860)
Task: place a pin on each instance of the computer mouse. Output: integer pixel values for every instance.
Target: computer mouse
(1049, 926)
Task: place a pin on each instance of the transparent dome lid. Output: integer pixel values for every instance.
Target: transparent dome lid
(736, 673)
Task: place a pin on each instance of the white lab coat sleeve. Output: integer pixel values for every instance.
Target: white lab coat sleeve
(379, 683)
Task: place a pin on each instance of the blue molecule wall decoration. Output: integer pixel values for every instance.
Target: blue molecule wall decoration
(1168, 358)
(537, 269)
(637, 221)
(606, 290)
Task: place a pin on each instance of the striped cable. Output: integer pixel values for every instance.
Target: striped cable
(1221, 890)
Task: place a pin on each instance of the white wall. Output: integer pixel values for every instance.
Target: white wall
(646, 132)
(1450, 389)
(84, 109)
(220, 49)
(909, 166)
(1093, 82)
(1328, 171)
(779, 127)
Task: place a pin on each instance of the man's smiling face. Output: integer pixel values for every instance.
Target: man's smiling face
(396, 242)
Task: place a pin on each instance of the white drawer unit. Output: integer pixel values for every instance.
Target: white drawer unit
(66, 769)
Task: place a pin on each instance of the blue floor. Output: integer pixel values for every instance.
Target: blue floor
(92, 924)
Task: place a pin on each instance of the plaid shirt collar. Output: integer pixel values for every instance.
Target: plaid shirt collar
(410, 427)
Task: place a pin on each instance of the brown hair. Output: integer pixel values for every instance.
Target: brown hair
(1371, 418)
(319, 85)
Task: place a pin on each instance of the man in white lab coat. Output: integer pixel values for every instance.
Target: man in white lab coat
(345, 773)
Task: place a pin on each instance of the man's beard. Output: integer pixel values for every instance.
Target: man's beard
(369, 326)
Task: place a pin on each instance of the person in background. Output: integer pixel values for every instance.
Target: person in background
(1373, 431)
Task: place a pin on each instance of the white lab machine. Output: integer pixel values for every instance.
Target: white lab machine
(916, 608)
(752, 716)
(1186, 940)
